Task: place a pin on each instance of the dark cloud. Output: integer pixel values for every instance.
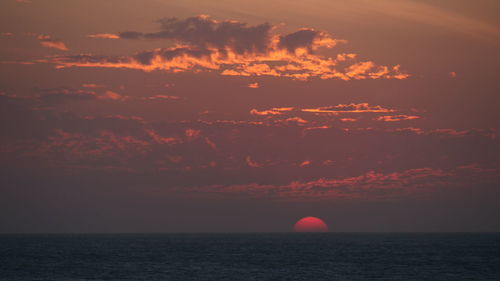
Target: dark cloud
(146, 57)
(131, 35)
(300, 39)
(92, 59)
(203, 32)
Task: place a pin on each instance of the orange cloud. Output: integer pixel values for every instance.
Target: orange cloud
(348, 119)
(264, 112)
(253, 85)
(104, 36)
(349, 108)
(305, 163)
(396, 118)
(110, 95)
(283, 108)
(296, 121)
(49, 42)
(233, 48)
(161, 97)
(272, 111)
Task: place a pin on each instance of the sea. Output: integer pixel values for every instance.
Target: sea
(250, 256)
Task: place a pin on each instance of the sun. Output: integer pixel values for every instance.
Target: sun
(310, 224)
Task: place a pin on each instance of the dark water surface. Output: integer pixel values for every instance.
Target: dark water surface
(287, 256)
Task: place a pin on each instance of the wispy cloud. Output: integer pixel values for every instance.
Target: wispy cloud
(104, 36)
(371, 185)
(349, 108)
(92, 85)
(396, 118)
(161, 97)
(49, 42)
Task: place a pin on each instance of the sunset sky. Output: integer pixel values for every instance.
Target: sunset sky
(232, 115)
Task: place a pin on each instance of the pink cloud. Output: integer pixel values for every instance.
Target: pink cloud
(252, 163)
(371, 185)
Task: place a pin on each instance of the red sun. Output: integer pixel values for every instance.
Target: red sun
(310, 224)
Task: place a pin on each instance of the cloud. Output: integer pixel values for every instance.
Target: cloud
(305, 39)
(349, 108)
(252, 163)
(292, 120)
(253, 85)
(49, 42)
(265, 112)
(104, 36)
(229, 156)
(275, 111)
(235, 48)
(348, 119)
(396, 118)
(92, 85)
(63, 95)
(161, 97)
(325, 116)
(110, 95)
(202, 32)
(282, 109)
(370, 185)
(305, 163)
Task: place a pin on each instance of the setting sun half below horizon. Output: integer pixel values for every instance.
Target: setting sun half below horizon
(310, 224)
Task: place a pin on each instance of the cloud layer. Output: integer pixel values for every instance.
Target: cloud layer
(280, 156)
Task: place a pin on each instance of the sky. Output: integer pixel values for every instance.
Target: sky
(245, 116)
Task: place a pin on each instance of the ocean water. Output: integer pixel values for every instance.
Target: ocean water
(287, 256)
